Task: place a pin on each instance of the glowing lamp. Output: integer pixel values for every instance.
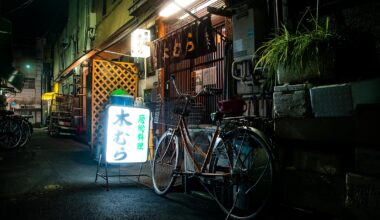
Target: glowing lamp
(173, 8)
(139, 43)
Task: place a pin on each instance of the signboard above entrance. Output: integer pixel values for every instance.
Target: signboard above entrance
(139, 46)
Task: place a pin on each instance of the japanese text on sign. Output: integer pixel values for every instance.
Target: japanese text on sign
(127, 134)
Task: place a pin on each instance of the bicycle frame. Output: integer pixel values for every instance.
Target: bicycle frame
(188, 144)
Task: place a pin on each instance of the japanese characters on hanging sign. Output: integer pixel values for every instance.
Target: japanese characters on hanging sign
(189, 42)
(139, 44)
(127, 134)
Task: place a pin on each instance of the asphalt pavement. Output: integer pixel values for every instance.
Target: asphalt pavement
(53, 178)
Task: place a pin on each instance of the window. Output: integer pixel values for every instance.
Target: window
(29, 83)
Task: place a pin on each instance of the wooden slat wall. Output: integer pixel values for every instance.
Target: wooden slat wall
(107, 77)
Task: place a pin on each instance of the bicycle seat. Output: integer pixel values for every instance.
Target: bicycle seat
(6, 112)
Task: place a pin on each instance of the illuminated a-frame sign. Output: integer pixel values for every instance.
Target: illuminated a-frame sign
(127, 134)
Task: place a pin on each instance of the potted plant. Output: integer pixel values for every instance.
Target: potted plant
(302, 56)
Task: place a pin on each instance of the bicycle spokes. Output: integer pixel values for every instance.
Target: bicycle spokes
(165, 163)
(244, 193)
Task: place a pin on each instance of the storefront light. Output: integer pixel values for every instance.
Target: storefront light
(127, 136)
(173, 8)
(198, 9)
(139, 40)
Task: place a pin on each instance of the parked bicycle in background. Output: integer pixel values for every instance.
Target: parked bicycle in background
(15, 130)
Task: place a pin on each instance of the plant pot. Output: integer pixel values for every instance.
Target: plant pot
(318, 69)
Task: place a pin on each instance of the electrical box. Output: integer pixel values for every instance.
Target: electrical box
(249, 29)
(250, 26)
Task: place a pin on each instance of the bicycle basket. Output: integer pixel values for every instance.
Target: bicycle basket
(166, 112)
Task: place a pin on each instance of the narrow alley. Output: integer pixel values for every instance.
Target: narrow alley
(53, 178)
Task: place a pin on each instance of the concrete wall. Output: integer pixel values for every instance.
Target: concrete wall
(117, 15)
(28, 101)
(74, 41)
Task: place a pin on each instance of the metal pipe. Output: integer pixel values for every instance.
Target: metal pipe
(276, 16)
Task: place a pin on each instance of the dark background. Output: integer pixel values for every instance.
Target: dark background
(34, 18)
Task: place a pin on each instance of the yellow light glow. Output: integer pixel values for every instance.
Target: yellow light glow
(172, 8)
(48, 96)
(55, 87)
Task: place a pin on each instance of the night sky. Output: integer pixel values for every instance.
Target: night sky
(34, 18)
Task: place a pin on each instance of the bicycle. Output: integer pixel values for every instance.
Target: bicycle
(26, 128)
(237, 168)
(15, 130)
(10, 130)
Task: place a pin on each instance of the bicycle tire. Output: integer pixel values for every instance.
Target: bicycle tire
(246, 192)
(25, 133)
(165, 162)
(54, 130)
(11, 134)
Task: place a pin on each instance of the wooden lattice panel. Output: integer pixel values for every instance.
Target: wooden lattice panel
(107, 77)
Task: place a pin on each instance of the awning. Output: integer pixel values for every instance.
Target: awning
(12, 76)
(112, 40)
(48, 96)
(51, 95)
(76, 63)
(17, 80)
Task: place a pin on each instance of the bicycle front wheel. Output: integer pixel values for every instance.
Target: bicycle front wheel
(245, 156)
(165, 162)
(25, 137)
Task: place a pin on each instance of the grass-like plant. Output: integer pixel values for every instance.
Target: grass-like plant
(299, 53)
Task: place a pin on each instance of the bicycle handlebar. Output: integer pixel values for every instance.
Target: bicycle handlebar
(205, 90)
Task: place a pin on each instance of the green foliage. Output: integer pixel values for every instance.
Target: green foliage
(297, 51)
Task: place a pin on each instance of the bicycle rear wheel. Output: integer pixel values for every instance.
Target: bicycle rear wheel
(165, 162)
(247, 157)
(10, 133)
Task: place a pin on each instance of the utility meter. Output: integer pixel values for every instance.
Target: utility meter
(249, 29)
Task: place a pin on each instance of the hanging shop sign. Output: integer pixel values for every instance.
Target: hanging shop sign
(127, 134)
(139, 43)
(194, 40)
